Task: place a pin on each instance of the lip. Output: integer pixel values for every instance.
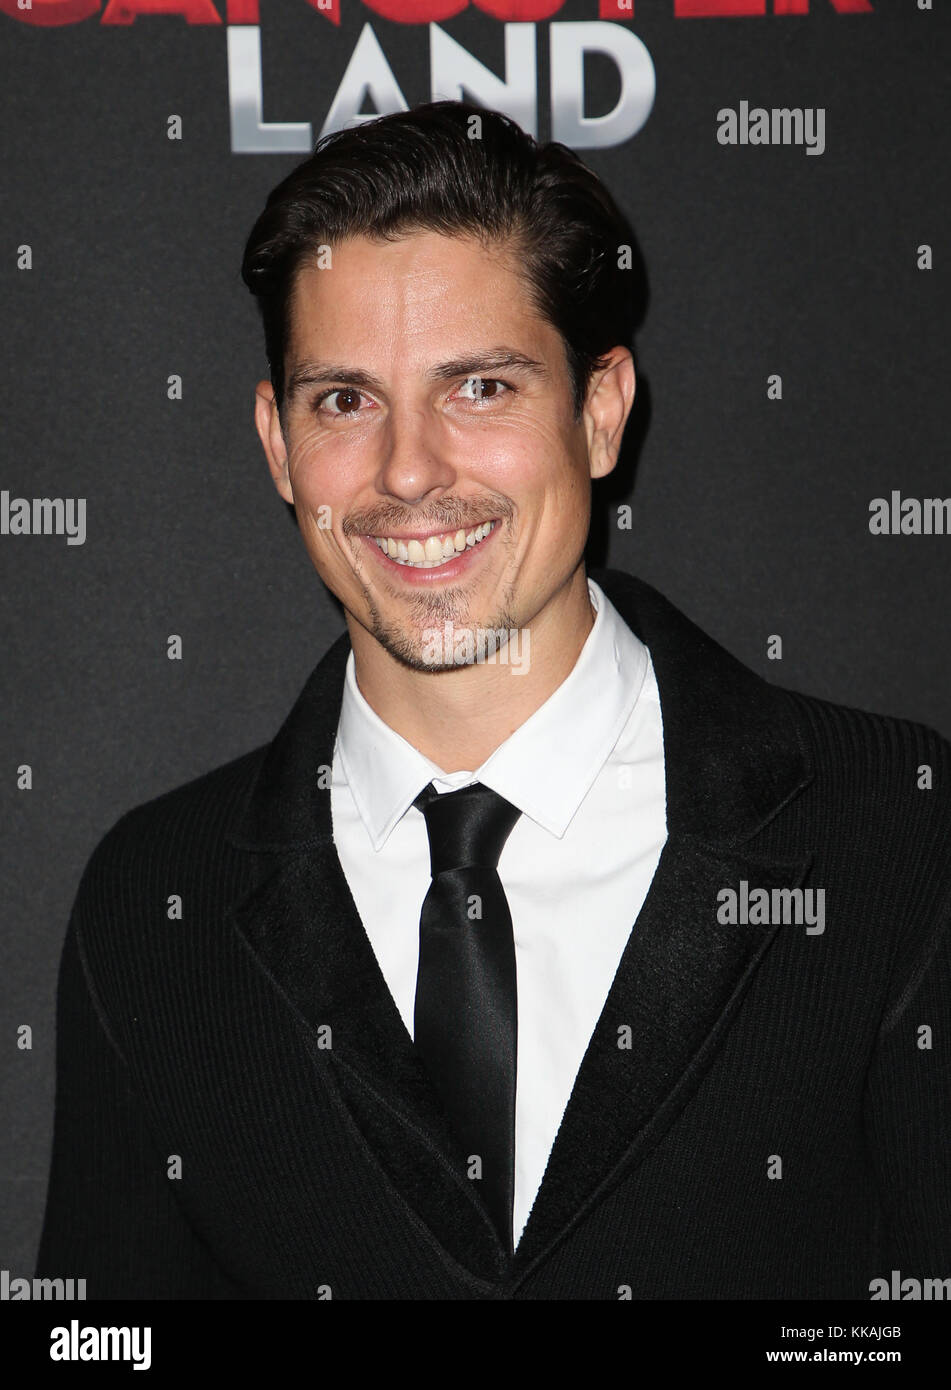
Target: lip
(452, 569)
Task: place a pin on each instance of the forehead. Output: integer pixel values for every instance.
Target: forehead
(416, 299)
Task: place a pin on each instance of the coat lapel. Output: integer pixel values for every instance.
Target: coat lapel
(301, 924)
(679, 982)
(732, 762)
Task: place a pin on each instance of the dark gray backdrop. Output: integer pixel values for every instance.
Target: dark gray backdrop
(752, 515)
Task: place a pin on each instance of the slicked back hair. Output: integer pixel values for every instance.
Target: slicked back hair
(460, 170)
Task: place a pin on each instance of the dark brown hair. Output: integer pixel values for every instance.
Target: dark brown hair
(458, 169)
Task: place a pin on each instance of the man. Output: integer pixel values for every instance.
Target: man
(546, 952)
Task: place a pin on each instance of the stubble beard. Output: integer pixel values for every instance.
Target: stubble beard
(431, 612)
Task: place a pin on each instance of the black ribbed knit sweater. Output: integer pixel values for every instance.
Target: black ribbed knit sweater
(764, 1109)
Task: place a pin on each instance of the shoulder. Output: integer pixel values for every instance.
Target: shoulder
(876, 748)
(151, 901)
(183, 830)
(881, 780)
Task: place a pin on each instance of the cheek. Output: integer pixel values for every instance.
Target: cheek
(554, 484)
(325, 469)
(522, 456)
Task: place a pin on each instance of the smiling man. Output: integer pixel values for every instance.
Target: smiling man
(497, 973)
(443, 444)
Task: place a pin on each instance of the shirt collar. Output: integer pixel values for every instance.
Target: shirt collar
(545, 768)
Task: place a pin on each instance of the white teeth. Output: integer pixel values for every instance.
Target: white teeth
(435, 550)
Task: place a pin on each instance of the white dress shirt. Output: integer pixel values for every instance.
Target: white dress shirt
(587, 772)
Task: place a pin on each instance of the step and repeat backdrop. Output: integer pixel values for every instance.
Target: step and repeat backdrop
(785, 480)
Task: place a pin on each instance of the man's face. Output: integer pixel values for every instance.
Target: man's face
(429, 443)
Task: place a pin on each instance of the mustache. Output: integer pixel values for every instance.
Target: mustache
(446, 514)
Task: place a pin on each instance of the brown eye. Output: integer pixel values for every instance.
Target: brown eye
(347, 401)
(482, 388)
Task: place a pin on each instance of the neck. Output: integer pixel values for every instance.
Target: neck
(458, 718)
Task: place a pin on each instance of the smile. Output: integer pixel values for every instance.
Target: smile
(434, 551)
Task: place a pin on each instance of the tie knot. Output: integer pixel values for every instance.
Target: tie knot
(467, 826)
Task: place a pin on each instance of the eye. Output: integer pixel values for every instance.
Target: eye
(482, 388)
(347, 398)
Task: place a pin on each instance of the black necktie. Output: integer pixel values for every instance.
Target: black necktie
(466, 1017)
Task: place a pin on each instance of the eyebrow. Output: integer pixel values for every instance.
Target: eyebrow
(478, 364)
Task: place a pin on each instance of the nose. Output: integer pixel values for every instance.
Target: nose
(415, 461)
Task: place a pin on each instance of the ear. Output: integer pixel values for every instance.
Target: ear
(268, 425)
(606, 409)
